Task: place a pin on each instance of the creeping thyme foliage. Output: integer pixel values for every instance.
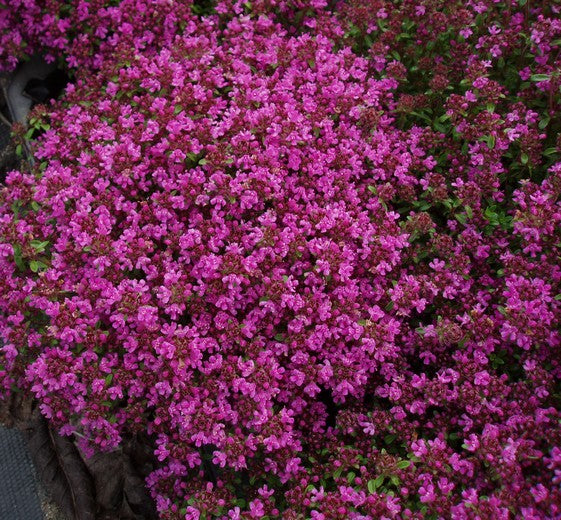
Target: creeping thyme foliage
(312, 249)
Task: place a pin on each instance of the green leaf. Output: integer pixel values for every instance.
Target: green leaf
(39, 245)
(421, 116)
(407, 24)
(540, 77)
(36, 265)
(388, 439)
(440, 127)
(490, 213)
(18, 258)
(402, 464)
(421, 205)
(373, 485)
(338, 472)
(351, 477)
(461, 218)
(524, 158)
(544, 122)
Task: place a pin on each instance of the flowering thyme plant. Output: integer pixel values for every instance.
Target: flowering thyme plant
(312, 249)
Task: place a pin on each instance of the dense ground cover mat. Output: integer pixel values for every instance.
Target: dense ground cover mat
(309, 249)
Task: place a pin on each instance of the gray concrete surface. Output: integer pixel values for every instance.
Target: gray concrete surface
(19, 498)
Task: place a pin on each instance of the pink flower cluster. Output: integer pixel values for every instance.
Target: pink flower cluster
(311, 249)
(83, 32)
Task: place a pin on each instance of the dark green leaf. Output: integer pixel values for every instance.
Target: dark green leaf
(540, 77)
